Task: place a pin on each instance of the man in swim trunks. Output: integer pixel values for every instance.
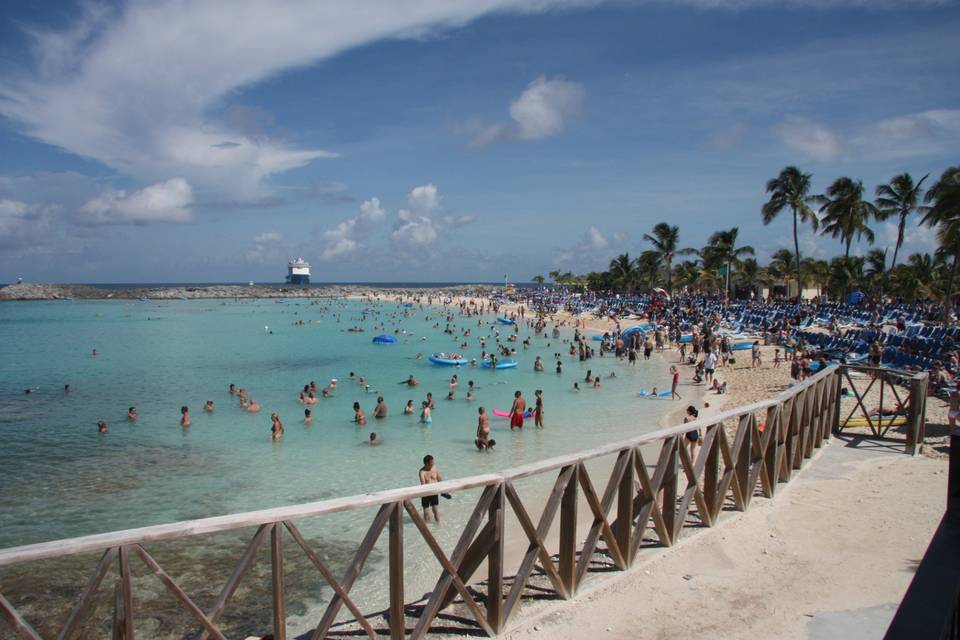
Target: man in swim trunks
(430, 474)
(380, 411)
(516, 411)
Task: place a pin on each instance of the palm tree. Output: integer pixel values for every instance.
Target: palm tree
(944, 214)
(790, 189)
(648, 267)
(538, 279)
(621, 268)
(751, 275)
(876, 267)
(664, 241)
(555, 276)
(688, 274)
(845, 212)
(815, 272)
(722, 248)
(900, 197)
(846, 272)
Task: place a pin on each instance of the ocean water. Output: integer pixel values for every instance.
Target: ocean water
(60, 478)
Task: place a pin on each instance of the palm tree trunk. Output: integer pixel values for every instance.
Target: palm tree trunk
(896, 249)
(796, 252)
(669, 276)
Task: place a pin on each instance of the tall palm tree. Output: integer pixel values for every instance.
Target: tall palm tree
(751, 275)
(538, 279)
(944, 214)
(845, 212)
(875, 267)
(900, 197)
(664, 240)
(648, 267)
(722, 247)
(790, 190)
(621, 268)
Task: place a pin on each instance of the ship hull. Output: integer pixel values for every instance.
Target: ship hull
(298, 278)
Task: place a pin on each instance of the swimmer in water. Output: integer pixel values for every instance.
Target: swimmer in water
(454, 381)
(66, 388)
(410, 382)
(208, 407)
(132, 414)
(374, 441)
(469, 396)
(325, 393)
(408, 409)
(232, 389)
(276, 427)
(380, 411)
(358, 415)
(450, 395)
(101, 426)
(333, 383)
(253, 407)
(184, 417)
(307, 417)
(425, 416)
(93, 353)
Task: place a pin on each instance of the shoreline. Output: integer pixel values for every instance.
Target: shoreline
(40, 291)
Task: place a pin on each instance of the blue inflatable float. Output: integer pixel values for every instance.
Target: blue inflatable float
(741, 346)
(506, 321)
(501, 364)
(448, 359)
(385, 339)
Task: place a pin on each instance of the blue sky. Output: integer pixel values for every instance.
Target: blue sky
(433, 141)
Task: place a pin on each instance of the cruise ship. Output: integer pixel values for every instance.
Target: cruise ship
(298, 271)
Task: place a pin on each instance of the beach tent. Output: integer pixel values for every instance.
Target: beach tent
(855, 297)
(385, 339)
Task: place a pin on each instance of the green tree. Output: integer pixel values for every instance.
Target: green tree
(722, 248)
(664, 240)
(944, 214)
(900, 197)
(751, 275)
(875, 268)
(622, 271)
(845, 213)
(791, 190)
(538, 279)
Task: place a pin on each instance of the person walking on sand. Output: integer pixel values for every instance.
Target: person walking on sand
(430, 474)
(755, 355)
(674, 382)
(516, 411)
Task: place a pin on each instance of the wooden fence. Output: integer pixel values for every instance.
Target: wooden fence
(899, 399)
(657, 488)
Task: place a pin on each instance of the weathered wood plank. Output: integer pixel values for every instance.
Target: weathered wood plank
(13, 618)
(126, 591)
(398, 618)
(278, 590)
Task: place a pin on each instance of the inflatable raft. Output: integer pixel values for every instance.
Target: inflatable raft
(448, 359)
(501, 364)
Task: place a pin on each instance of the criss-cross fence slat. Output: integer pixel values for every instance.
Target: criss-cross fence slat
(744, 452)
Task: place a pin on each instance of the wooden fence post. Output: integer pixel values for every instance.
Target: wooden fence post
(398, 620)
(495, 517)
(917, 411)
(623, 527)
(276, 573)
(568, 532)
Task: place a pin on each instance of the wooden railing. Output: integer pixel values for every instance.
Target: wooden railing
(902, 394)
(658, 487)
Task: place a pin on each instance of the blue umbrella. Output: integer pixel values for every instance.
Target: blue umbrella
(385, 339)
(855, 297)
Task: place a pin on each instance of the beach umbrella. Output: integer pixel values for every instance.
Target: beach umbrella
(662, 292)
(855, 297)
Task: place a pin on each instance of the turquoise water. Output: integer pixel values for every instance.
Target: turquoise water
(61, 478)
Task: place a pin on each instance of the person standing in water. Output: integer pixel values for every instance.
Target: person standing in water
(538, 409)
(516, 411)
(276, 427)
(132, 414)
(483, 441)
(380, 411)
(358, 415)
(184, 417)
(430, 474)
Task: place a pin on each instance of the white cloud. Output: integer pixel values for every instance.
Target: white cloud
(812, 139)
(342, 240)
(163, 202)
(27, 228)
(417, 232)
(424, 199)
(595, 239)
(266, 248)
(137, 88)
(543, 110)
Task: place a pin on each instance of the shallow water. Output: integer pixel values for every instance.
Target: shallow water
(60, 478)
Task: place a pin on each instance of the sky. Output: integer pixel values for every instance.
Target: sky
(446, 140)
